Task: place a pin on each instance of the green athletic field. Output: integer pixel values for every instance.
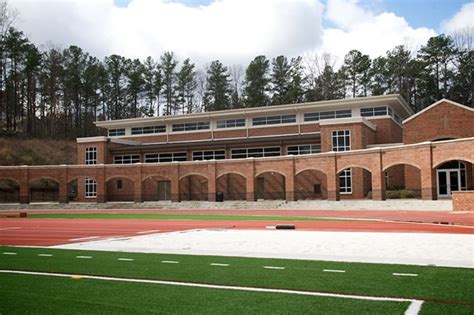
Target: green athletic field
(444, 290)
(159, 216)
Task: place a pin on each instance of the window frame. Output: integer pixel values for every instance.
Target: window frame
(90, 188)
(265, 152)
(90, 156)
(273, 120)
(336, 136)
(134, 159)
(116, 132)
(346, 177)
(166, 157)
(314, 148)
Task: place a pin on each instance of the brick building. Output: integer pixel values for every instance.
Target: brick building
(342, 149)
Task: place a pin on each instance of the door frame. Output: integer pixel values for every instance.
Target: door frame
(448, 181)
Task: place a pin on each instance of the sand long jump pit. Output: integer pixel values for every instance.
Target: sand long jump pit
(450, 250)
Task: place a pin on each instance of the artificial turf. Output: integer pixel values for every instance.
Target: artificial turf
(448, 289)
(159, 216)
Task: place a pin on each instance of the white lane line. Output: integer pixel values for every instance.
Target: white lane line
(273, 267)
(10, 228)
(9, 253)
(125, 259)
(270, 227)
(414, 308)
(334, 270)
(216, 286)
(405, 274)
(218, 264)
(169, 262)
(150, 231)
(84, 257)
(45, 255)
(83, 238)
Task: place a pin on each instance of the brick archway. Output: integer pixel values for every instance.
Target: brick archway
(44, 189)
(270, 185)
(119, 188)
(193, 187)
(402, 180)
(9, 190)
(156, 187)
(355, 182)
(232, 185)
(310, 184)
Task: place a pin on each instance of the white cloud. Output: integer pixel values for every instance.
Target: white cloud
(464, 18)
(370, 33)
(229, 30)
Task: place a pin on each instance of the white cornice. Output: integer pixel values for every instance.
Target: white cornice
(91, 139)
(345, 121)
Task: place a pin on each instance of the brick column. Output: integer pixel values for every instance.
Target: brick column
(211, 181)
(137, 185)
(332, 179)
(428, 176)
(378, 180)
(24, 183)
(175, 183)
(101, 185)
(290, 181)
(63, 181)
(250, 180)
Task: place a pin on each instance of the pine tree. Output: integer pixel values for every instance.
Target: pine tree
(185, 86)
(280, 80)
(257, 82)
(356, 68)
(168, 67)
(217, 95)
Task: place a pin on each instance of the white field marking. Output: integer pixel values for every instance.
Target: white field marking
(150, 231)
(226, 287)
(125, 259)
(414, 308)
(334, 270)
(273, 267)
(45, 255)
(405, 274)
(219, 264)
(83, 238)
(169, 262)
(9, 253)
(10, 228)
(270, 227)
(84, 257)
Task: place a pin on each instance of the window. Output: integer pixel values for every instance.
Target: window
(119, 184)
(344, 113)
(126, 159)
(148, 130)
(341, 140)
(91, 188)
(208, 155)
(373, 111)
(272, 120)
(231, 123)
(255, 152)
(191, 126)
(345, 181)
(91, 155)
(116, 132)
(304, 149)
(165, 157)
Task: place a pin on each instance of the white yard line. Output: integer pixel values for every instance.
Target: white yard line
(219, 264)
(405, 274)
(125, 259)
(334, 270)
(84, 257)
(9, 253)
(45, 255)
(83, 238)
(169, 262)
(273, 267)
(150, 231)
(413, 309)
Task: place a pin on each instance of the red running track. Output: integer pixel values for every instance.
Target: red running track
(49, 232)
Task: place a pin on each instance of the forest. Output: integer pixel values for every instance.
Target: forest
(59, 93)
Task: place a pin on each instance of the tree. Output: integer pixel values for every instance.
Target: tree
(236, 76)
(257, 82)
(136, 83)
(168, 67)
(356, 68)
(185, 86)
(153, 85)
(115, 90)
(217, 96)
(280, 80)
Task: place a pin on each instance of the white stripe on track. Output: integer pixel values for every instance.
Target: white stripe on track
(150, 231)
(83, 238)
(223, 287)
(10, 228)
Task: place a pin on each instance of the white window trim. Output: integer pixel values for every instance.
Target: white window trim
(88, 160)
(213, 154)
(159, 154)
(90, 183)
(303, 144)
(345, 176)
(263, 148)
(350, 140)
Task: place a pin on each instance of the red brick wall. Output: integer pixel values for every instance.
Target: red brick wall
(388, 131)
(440, 122)
(272, 131)
(233, 186)
(463, 201)
(102, 152)
(361, 135)
(304, 185)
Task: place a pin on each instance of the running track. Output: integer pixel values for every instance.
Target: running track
(49, 232)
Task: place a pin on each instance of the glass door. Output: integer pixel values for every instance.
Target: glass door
(448, 181)
(443, 184)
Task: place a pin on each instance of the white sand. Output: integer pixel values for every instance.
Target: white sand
(454, 250)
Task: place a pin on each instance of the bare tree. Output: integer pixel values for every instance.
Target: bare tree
(236, 76)
(201, 87)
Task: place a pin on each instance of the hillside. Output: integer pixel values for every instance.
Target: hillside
(15, 151)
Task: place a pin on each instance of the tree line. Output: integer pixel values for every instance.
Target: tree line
(61, 92)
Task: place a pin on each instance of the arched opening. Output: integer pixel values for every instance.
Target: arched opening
(193, 187)
(9, 191)
(453, 176)
(233, 186)
(119, 189)
(355, 183)
(44, 190)
(270, 186)
(310, 184)
(72, 190)
(156, 188)
(402, 181)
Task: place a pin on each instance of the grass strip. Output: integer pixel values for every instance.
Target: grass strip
(49, 295)
(159, 216)
(439, 284)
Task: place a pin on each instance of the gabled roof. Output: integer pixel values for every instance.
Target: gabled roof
(444, 100)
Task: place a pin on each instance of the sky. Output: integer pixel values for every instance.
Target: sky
(235, 31)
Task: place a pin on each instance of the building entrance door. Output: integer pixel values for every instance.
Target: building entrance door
(448, 181)
(164, 190)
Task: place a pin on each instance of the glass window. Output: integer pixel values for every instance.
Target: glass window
(127, 159)
(345, 181)
(255, 152)
(208, 155)
(304, 149)
(191, 126)
(341, 140)
(273, 120)
(148, 130)
(165, 157)
(231, 123)
(91, 156)
(343, 113)
(116, 132)
(91, 188)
